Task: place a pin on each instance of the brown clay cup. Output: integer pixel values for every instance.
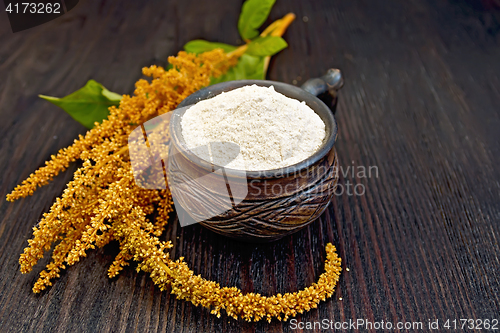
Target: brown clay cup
(276, 202)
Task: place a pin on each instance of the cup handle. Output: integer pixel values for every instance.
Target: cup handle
(326, 87)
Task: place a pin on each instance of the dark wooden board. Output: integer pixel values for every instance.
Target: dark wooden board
(421, 103)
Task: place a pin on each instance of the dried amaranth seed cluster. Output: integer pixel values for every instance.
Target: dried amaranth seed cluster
(102, 203)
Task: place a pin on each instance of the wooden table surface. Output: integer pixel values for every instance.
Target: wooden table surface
(421, 104)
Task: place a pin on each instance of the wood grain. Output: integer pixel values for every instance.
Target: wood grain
(421, 103)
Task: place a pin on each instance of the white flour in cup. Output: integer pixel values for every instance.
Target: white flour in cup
(271, 130)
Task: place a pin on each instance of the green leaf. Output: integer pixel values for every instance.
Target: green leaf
(88, 104)
(248, 68)
(253, 14)
(266, 46)
(112, 96)
(200, 46)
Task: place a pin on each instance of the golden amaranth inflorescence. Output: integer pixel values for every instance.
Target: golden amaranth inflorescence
(102, 203)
